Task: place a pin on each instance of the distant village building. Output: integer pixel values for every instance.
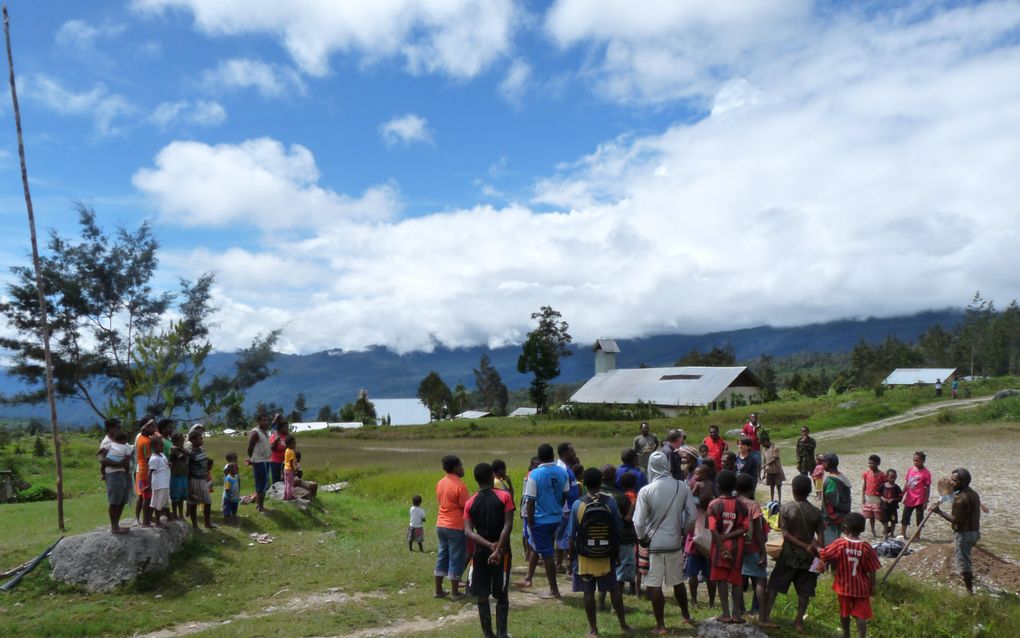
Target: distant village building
(920, 376)
(522, 411)
(672, 390)
(472, 414)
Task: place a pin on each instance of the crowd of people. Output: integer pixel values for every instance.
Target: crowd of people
(671, 516)
(170, 475)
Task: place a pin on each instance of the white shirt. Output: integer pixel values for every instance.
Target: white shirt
(417, 516)
(160, 469)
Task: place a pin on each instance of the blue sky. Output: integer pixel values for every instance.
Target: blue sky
(400, 173)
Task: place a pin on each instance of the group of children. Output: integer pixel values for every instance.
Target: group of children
(173, 470)
(726, 545)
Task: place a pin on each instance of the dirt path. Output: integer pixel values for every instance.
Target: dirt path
(909, 415)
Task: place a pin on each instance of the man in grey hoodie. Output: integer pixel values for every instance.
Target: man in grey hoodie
(663, 516)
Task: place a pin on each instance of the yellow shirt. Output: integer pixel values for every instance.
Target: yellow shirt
(290, 460)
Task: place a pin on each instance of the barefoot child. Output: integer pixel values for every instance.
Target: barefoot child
(854, 583)
(231, 491)
(488, 521)
(178, 458)
(818, 475)
(891, 496)
(916, 492)
(772, 468)
(159, 479)
(753, 565)
(871, 492)
(289, 468)
(594, 529)
(630, 490)
(199, 464)
(416, 527)
(728, 520)
(697, 564)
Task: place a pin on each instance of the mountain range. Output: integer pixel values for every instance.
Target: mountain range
(334, 377)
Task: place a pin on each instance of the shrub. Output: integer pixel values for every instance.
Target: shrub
(37, 493)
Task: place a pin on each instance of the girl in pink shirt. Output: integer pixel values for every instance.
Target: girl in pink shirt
(916, 492)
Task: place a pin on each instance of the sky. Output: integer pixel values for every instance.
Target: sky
(412, 173)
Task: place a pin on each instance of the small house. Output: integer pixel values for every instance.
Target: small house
(920, 376)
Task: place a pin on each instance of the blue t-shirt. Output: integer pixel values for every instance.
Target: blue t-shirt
(630, 469)
(548, 486)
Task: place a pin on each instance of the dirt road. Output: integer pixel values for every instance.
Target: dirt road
(909, 415)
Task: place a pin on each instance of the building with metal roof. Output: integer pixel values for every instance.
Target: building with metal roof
(919, 376)
(522, 411)
(472, 414)
(672, 390)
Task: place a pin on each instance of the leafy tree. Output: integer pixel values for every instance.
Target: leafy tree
(40, 448)
(767, 376)
(541, 353)
(436, 395)
(325, 414)
(300, 407)
(715, 357)
(492, 392)
(460, 399)
(112, 336)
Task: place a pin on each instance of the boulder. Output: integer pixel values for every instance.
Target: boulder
(849, 405)
(1004, 394)
(716, 629)
(275, 493)
(100, 561)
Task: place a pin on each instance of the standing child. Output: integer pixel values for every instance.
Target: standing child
(753, 565)
(501, 480)
(525, 527)
(159, 480)
(854, 583)
(231, 491)
(773, 468)
(917, 492)
(488, 521)
(199, 464)
(289, 468)
(697, 565)
(628, 485)
(891, 496)
(727, 518)
(416, 527)
(871, 492)
(178, 475)
(594, 529)
(818, 475)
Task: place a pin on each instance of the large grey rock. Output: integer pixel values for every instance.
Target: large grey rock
(300, 501)
(100, 561)
(1004, 394)
(715, 629)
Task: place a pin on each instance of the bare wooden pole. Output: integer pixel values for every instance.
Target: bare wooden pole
(43, 319)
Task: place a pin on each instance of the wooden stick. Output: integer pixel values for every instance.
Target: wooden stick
(903, 551)
(43, 319)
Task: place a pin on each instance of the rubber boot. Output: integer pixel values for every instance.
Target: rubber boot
(485, 617)
(502, 616)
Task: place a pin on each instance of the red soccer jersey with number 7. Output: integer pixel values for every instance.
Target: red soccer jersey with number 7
(855, 561)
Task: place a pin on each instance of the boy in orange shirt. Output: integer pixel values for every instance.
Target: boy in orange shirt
(728, 520)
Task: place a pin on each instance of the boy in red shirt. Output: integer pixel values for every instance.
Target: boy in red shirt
(728, 520)
(854, 583)
(871, 492)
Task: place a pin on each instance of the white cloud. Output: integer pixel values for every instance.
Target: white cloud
(864, 169)
(257, 182)
(515, 82)
(201, 113)
(105, 108)
(405, 129)
(459, 38)
(270, 81)
(80, 36)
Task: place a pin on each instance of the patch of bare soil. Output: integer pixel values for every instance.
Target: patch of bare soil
(332, 596)
(935, 564)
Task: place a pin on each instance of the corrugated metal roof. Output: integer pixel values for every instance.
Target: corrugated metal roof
(310, 426)
(911, 376)
(524, 412)
(402, 411)
(683, 386)
(472, 414)
(606, 345)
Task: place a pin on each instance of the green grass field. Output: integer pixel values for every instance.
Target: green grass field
(351, 563)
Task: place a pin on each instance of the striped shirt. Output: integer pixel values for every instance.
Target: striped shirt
(855, 561)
